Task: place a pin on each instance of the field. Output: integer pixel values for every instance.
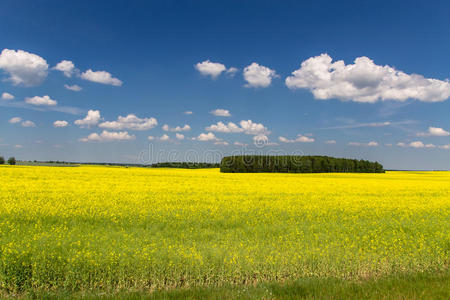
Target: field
(180, 233)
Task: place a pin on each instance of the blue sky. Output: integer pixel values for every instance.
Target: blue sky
(360, 79)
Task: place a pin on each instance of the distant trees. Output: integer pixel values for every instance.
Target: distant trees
(11, 160)
(185, 165)
(296, 164)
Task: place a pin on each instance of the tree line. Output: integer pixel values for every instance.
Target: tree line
(186, 165)
(296, 164)
(10, 161)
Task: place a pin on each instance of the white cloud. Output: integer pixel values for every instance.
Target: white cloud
(44, 100)
(60, 123)
(246, 126)
(232, 71)
(179, 136)
(239, 144)
(416, 144)
(446, 147)
(254, 128)
(108, 136)
(7, 96)
(18, 146)
(330, 142)
(15, 120)
(28, 124)
(221, 143)
(164, 138)
(364, 81)
(261, 140)
(369, 144)
(101, 77)
(92, 118)
(434, 131)
(151, 138)
(221, 112)
(166, 127)
(222, 127)
(300, 138)
(204, 137)
(23, 68)
(75, 88)
(130, 122)
(208, 68)
(67, 67)
(188, 112)
(258, 76)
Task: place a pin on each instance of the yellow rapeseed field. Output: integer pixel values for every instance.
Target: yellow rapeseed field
(92, 227)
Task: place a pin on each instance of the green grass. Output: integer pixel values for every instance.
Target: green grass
(401, 286)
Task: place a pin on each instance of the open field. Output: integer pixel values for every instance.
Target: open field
(112, 229)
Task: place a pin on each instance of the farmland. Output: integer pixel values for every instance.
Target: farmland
(114, 229)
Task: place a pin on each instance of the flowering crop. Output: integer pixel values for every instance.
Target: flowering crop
(93, 227)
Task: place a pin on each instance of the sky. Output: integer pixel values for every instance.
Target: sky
(149, 81)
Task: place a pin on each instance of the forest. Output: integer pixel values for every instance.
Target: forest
(296, 164)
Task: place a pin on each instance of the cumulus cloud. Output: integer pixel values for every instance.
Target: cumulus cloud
(416, 144)
(15, 120)
(28, 124)
(208, 68)
(222, 127)
(23, 68)
(7, 96)
(369, 144)
(101, 77)
(330, 142)
(108, 136)
(67, 67)
(258, 76)
(164, 138)
(221, 143)
(246, 126)
(92, 118)
(18, 146)
(179, 136)
(188, 112)
(75, 88)
(364, 81)
(204, 137)
(261, 140)
(221, 112)
(254, 128)
(166, 127)
(130, 122)
(434, 131)
(300, 138)
(60, 123)
(446, 147)
(41, 101)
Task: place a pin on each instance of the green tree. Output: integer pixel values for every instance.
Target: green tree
(11, 161)
(2, 160)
